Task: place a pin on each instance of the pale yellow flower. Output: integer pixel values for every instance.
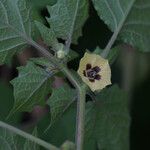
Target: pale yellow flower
(95, 71)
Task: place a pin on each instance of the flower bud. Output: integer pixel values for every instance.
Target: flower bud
(60, 54)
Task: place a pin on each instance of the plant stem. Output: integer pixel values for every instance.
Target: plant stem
(71, 77)
(80, 120)
(28, 136)
(44, 51)
(81, 94)
(116, 32)
(80, 109)
(75, 83)
(31, 42)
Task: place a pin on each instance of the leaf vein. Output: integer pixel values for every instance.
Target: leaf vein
(112, 13)
(12, 47)
(120, 7)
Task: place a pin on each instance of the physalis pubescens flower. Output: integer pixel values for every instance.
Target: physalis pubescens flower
(95, 71)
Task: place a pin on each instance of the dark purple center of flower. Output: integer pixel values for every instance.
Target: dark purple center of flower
(92, 73)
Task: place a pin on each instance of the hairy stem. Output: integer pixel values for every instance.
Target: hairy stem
(77, 85)
(116, 32)
(45, 52)
(80, 120)
(81, 97)
(31, 42)
(80, 109)
(28, 136)
(71, 77)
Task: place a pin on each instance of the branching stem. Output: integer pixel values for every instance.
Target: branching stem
(75, 83)
(80, 109)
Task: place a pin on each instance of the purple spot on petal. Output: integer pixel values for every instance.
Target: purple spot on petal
(88, 66)
(92, 73)
(84, 73)
(91, 80)
(96, 69)
(97, 77)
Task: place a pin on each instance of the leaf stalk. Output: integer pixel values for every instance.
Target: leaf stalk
(28, 136)
(116, 32)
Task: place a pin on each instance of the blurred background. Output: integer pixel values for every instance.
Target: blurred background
(131, 71)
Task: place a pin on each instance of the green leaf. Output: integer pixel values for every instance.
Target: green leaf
(67, 18)
(42, 61)
(72, 55)
(50, 39)
(41, 4)
(31, 145)
(37, 8)
(107, 121)
(48, 36)
(45, 64)
(64, 128)
(60, 100)
(130, 19)
(30, 87)
(15, 27)
(112, 56)
(11, 141)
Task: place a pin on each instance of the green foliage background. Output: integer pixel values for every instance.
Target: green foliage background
(95, 33)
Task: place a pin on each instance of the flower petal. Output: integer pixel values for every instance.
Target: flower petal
(104, 73)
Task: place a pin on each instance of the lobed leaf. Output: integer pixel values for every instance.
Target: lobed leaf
(129, 19)
(48, 36)
(43, 62)
(60, 100)
(11, 141)
(107, 121)
(30, 87)
(112, 56)
(50, 39)
(67, 18)
(15, 27)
